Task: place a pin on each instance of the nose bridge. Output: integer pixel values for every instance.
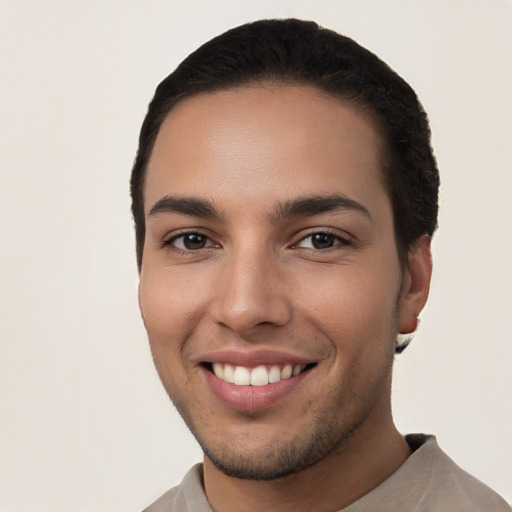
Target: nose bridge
(252, 291)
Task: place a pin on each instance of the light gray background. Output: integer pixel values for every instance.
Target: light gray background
(85, 424)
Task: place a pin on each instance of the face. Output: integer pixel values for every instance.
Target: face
(270, 283)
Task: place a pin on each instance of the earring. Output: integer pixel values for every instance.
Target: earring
(404, 339)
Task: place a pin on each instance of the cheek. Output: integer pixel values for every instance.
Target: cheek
(352, 304)
(164, 300)
(164, 308)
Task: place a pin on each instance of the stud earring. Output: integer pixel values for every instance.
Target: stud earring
(404, 339)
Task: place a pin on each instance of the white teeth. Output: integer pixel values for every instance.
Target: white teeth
(274, 375)
(229, 374)
(242, 376)
(218, 369)
(259, 376)
(286, 372)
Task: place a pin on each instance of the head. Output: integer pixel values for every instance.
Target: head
(284, 194)
(303, 53)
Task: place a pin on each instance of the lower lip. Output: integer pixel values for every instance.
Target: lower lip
(251, 398)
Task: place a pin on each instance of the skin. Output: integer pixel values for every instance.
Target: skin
(258, 281)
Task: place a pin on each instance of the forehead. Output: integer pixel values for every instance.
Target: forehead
(265, 138)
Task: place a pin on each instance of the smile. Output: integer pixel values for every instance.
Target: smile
(259, 376)
(253, 379)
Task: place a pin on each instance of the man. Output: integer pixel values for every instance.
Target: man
(284, 196)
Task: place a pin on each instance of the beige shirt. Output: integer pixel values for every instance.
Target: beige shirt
(429, 481)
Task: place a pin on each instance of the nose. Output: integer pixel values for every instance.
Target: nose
(251, 292)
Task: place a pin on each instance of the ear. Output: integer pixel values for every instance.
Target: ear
(416, 284)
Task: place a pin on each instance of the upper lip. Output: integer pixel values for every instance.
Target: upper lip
(252, 358)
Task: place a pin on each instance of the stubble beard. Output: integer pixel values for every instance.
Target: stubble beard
(324, 436)
(283, 459)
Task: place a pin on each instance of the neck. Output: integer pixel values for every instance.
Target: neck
(359, 465)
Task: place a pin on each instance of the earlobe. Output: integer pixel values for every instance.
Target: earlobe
(416, 285)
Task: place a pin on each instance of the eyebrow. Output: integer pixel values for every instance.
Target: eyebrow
(316, 205)
(195, 206)
(301, 206)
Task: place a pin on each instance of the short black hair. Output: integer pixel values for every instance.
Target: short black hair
(297, 52)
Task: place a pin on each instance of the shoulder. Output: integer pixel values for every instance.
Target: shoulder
(429, 481)
(189, 496)
(443, 483)
(448, 484)
(166, 502)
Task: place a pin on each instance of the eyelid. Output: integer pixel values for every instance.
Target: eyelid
(343, 237)
(169, 240)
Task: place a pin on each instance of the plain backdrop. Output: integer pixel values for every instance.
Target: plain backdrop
(84, 422)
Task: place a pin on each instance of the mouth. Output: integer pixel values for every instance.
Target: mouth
(255, 380)
(261, 375)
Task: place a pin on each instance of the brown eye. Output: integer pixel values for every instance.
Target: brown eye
(190, 242)
(194, 241)
(322, 241)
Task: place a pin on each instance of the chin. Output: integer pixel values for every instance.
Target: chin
(277, 459)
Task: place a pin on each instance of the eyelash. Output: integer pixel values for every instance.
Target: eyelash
(170, 242)
(337, 239)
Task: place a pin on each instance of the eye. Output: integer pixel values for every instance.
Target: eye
(189, 242)
(322, 241)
